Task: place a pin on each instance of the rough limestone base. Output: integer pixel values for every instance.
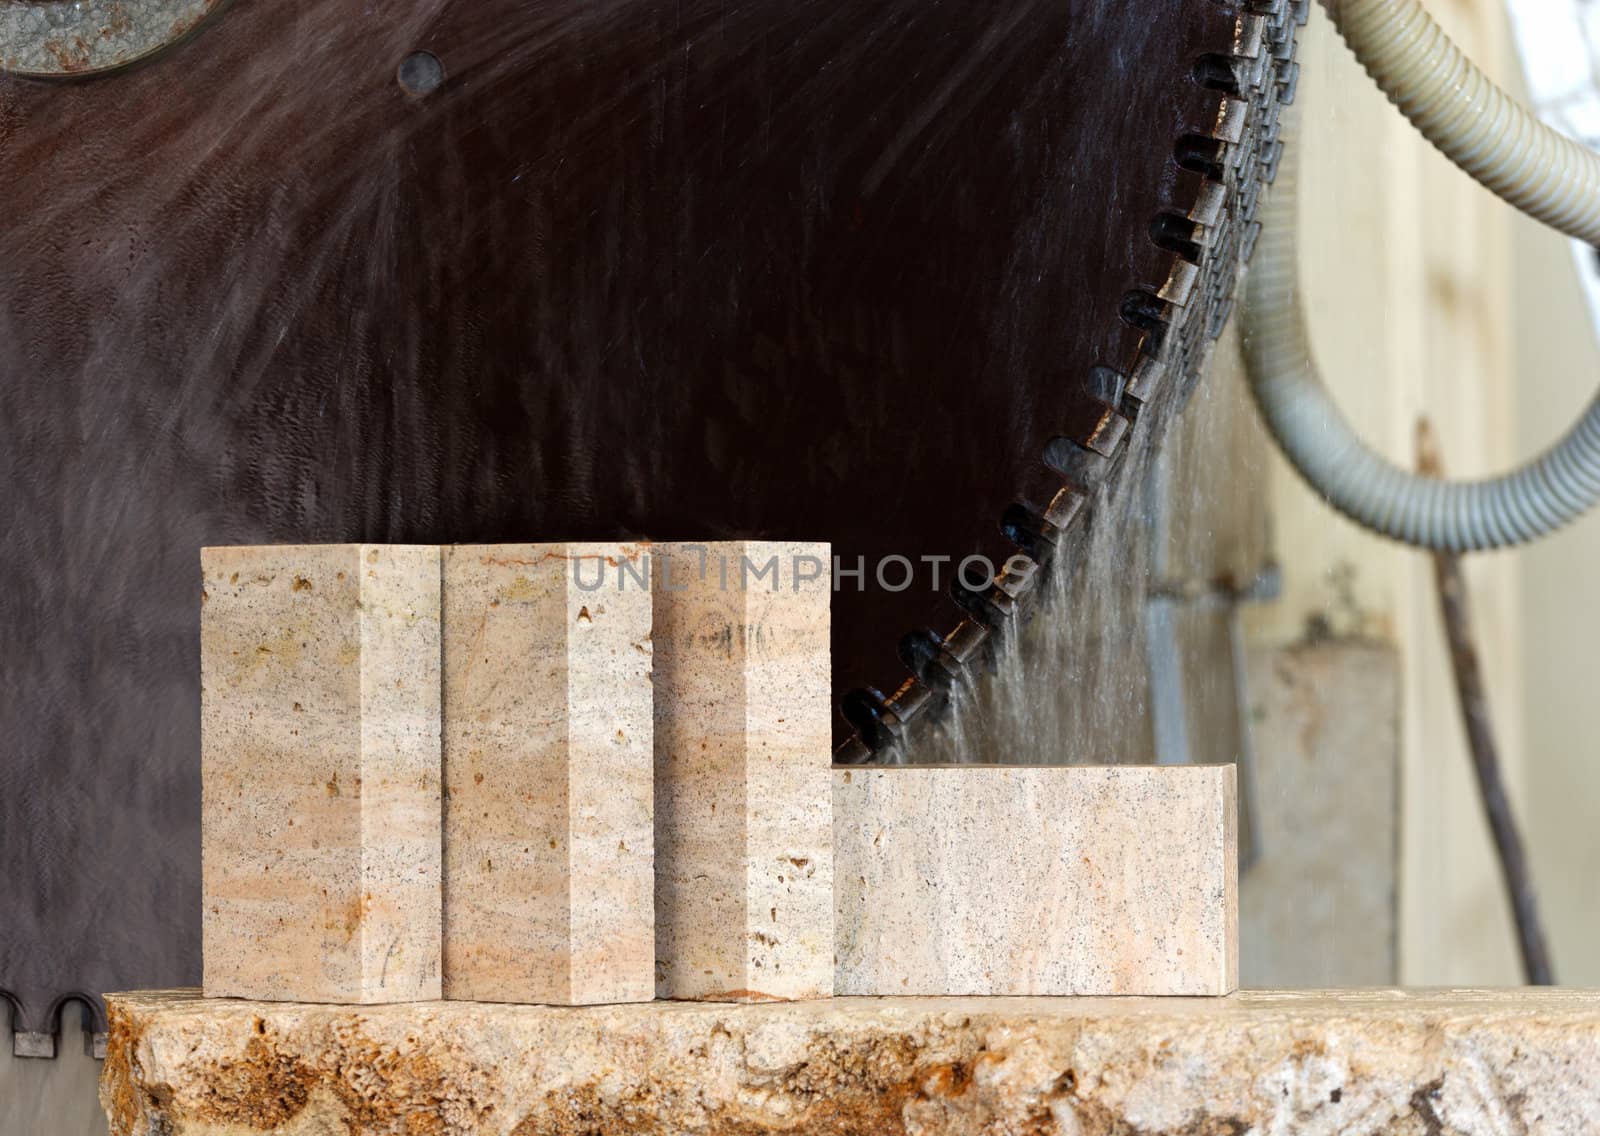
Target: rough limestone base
(1429, 1063)
(320, 793)
(549, 863)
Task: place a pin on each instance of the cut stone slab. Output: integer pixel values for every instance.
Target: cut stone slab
(974, 879)
(1403, 1063)
(320, 752)
(549, 865)
(744, 886)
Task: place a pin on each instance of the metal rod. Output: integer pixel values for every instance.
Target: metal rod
(1456, 613)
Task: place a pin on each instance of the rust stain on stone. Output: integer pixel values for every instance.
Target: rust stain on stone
(846, 1091)
(489, 560)
(949, 1079)
(72, 57)
(264, 1090)
(378, 1088)
(407, 1093)
(120, 1095)
(350, 916)
(739, 996)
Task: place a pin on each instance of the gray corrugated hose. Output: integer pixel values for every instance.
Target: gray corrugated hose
(1472, 122)
(1454, 516)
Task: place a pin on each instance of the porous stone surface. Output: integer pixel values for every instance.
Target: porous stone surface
(549, 868)
(71, 37)
(999, 880)
(320, 772)
(744, 885)
(1397, 1063)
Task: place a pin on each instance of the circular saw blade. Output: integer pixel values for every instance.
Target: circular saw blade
(799, 270)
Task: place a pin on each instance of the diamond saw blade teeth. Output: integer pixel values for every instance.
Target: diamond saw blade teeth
(931, 659)
(1210, 239)
(912, 700)
(1063, 510)
(968, 642)
(853, 751)
(875, 724)
(1026, 528)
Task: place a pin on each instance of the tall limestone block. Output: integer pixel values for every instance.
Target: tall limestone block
(320, 720)
(744, 888)
(549, 863)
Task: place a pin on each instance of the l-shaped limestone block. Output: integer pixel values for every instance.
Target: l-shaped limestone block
(744, 858)
(980, 879)
(320, 726)
(549, 863)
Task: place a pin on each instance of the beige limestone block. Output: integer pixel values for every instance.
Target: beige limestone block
(969, 879)
(549, 869)
(744, 888)
(320, 810)
(1307, 1063)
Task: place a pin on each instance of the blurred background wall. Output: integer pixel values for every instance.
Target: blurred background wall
(1428, 297)
(1557, 371)
(1406, 268)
